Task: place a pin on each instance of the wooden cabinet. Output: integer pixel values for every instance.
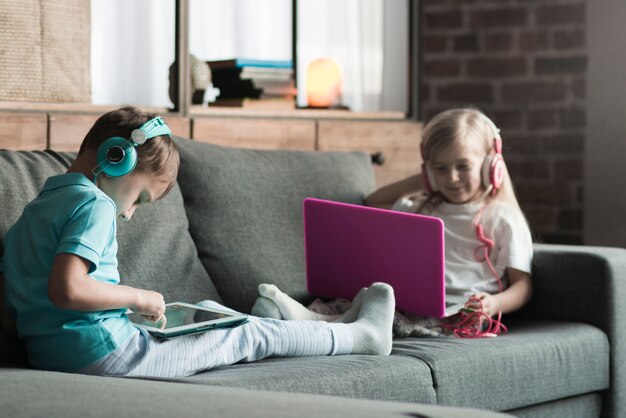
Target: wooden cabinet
(256, 133)
(397, 142)
(23, 131)
(394, 138)
(68, 130)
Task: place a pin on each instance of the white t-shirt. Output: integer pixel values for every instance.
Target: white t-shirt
(466, 275)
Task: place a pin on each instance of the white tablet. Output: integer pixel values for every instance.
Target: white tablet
(185, 318)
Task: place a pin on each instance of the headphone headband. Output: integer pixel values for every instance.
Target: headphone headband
(494, 128)
(493, 166)
(155, 127)
(497, 139)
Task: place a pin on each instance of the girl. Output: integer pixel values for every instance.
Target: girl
(61, 281)
(464, 182)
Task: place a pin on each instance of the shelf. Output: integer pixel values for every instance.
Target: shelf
(69, 107)
(236, 112)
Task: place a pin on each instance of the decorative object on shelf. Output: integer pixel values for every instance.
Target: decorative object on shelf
(243, 63)
(202, 90)
(324, 83)
(202, 83)
(250, 83)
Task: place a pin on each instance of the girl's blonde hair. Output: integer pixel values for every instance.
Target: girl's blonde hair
(463, 125)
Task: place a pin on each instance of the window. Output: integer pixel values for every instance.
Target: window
(133, 45)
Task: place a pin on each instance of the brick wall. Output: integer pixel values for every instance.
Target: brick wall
(523, 62)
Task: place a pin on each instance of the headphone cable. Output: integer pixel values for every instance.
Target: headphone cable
(475, 322)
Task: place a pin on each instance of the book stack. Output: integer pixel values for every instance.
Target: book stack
(259, 84)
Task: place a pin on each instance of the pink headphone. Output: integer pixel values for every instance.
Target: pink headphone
(492, 170)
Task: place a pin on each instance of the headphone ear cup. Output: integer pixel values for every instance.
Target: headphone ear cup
(429, 180)
(493, 171)
(116, 163)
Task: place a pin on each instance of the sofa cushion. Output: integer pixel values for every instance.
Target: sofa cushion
(536, 361)
(156, 252)
(22, 174)
(394, 378)
(245, 211)
(155, 248)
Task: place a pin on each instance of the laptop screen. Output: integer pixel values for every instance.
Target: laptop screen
(350, 246)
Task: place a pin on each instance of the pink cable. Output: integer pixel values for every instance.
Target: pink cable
(471, 322)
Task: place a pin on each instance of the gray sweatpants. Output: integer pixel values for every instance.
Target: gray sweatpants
(144, 355)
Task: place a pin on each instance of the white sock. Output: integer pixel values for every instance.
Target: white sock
(352, 314)
(289, 308)
(372, 331)
(265, 308)
(285, 307)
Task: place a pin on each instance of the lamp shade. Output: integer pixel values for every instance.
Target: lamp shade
(323, 83)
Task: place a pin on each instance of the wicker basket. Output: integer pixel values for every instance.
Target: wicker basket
(45, 51)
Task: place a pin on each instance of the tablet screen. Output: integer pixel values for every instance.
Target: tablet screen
(179, 315)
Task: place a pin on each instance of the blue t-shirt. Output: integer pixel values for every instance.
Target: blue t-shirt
(70, 215)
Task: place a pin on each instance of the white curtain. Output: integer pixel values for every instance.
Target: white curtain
(350, 32)
(253, 29)
(133, 43)
(132, 47)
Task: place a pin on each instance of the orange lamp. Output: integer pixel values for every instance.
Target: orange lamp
(324, 83)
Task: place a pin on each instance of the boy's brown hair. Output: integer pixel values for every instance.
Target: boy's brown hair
(157, 156)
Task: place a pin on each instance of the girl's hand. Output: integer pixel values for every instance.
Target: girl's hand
(150, 304)
(490, 303)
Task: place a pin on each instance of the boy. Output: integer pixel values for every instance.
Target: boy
(70, 276)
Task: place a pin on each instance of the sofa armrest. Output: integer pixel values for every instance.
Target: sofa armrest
(578, 283)
(585, 284)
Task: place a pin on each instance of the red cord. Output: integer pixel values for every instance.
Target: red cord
(476, 323)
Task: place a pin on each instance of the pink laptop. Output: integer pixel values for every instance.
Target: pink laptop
(350, 246)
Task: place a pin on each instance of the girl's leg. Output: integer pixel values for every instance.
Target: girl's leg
(261, 338)
(273, 303)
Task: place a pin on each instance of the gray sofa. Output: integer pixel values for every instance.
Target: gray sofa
(234, 221)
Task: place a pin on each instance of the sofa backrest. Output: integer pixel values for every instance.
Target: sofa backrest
(155, 248)
(245, 211)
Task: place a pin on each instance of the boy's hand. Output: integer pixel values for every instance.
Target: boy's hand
(490, 303)
(150, 304)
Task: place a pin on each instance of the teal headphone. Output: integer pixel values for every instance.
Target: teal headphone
(117, 156)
